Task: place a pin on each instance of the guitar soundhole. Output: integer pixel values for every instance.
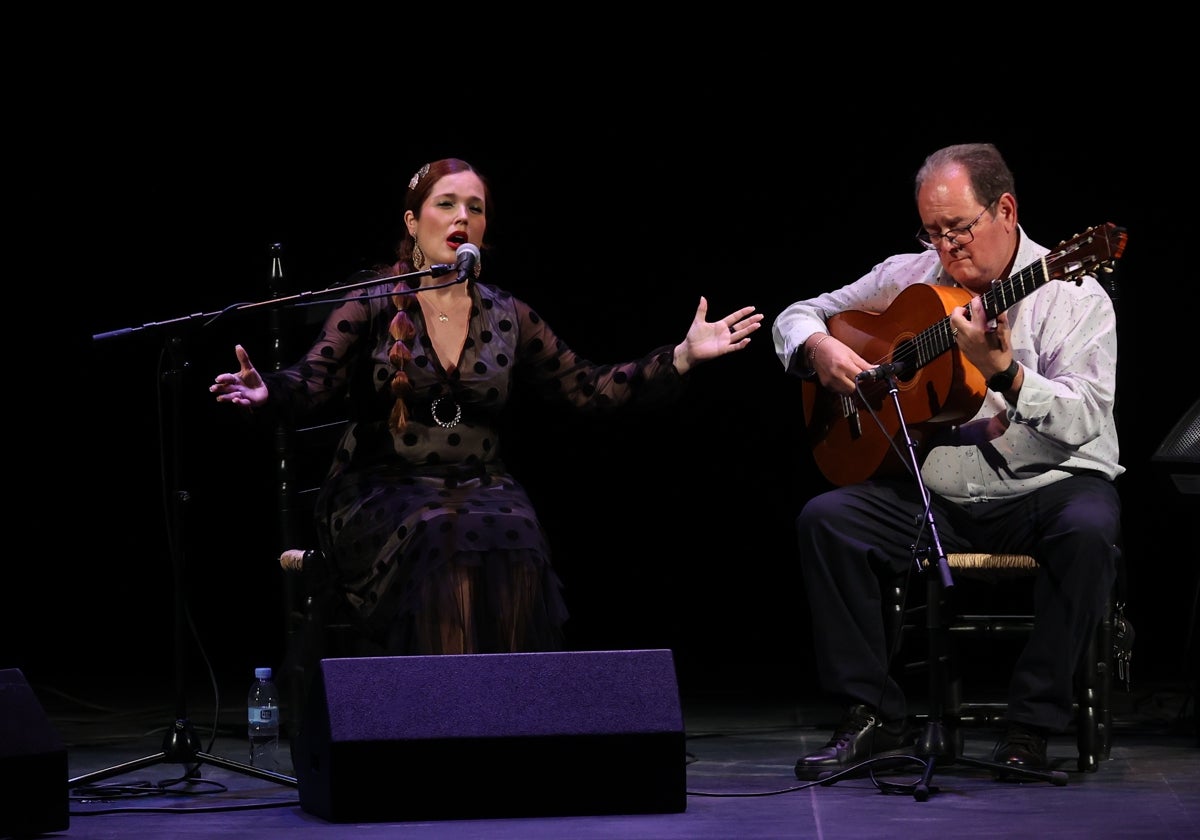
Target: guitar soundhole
(906, 354)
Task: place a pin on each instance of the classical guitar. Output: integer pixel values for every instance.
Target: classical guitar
(860, 436)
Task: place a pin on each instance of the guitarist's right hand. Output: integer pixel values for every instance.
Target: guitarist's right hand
(836, 365)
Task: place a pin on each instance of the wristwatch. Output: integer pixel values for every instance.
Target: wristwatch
(1003, 380)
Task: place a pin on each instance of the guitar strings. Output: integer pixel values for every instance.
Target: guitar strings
(937, 338)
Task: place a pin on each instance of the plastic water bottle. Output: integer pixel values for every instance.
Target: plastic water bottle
(262, 714)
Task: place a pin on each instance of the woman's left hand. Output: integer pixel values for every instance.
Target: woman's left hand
(709, 339)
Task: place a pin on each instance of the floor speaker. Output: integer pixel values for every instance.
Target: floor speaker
(492, 736)
(1179, 453)
(33, 763)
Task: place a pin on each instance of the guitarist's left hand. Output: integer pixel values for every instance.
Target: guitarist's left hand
(987, 347)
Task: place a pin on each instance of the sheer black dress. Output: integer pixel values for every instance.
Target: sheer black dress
(433, 543)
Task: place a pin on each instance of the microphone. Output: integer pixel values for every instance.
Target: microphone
(885, 371)
(466, 257)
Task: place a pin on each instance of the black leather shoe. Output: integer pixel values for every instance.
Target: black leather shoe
(859, 736)
(1022, 747)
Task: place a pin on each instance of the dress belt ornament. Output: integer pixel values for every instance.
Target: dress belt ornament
(446, 424)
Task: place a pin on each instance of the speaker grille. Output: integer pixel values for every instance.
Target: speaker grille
(1182, 443)
(493, 735)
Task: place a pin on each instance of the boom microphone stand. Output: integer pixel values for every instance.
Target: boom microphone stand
(181, 744)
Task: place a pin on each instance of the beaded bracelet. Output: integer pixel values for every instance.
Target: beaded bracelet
(812, 351)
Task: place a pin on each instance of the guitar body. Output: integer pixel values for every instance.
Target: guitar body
(848, 443)
(863, 435)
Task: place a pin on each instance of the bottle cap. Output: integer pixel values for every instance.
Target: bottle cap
(262, 673)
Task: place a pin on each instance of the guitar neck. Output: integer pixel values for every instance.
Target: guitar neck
(1004, 293)
(937, 338)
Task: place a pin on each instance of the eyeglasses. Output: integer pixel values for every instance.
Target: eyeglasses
(957, 237)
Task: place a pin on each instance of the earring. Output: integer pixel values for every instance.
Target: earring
(418, 256)
(478, 269)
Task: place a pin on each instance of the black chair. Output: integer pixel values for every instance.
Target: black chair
(318, 621)
(949, 623)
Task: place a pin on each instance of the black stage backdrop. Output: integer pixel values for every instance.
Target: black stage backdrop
(616, 208)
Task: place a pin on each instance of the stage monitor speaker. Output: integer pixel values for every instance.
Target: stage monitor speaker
(1179, 453)
(33, 763)
(492, 736)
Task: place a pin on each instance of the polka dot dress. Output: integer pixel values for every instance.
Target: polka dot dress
(434, 543)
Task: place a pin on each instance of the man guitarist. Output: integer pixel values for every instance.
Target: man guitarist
(1027, 468)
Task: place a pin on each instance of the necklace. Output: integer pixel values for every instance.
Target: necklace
(441, 313)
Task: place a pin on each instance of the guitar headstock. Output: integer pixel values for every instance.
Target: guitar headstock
(1094, 250)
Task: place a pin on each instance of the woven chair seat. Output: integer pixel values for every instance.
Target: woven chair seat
(991, 567)
(292, 560)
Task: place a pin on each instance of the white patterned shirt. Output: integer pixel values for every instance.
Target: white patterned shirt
(1065, 337)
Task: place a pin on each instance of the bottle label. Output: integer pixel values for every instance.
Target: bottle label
(258, 715)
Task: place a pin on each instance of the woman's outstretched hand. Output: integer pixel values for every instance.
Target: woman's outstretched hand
(245, 387)
(709, 339)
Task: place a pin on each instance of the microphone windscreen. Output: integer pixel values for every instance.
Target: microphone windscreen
(467, 255)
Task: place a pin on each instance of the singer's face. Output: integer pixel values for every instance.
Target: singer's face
(453, 213)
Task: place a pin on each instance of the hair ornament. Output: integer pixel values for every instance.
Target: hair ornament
(417, 176)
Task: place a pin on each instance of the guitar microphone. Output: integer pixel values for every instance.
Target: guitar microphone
(884, 371)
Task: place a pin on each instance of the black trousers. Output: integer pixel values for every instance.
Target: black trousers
(856, 539)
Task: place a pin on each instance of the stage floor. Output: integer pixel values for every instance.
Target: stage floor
(740, 752)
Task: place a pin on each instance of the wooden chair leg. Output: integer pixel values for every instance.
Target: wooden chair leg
(1093, 720)
(1104, 682)
(1087, 720)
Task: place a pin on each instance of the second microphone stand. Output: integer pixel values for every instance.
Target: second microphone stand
(939, 745)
